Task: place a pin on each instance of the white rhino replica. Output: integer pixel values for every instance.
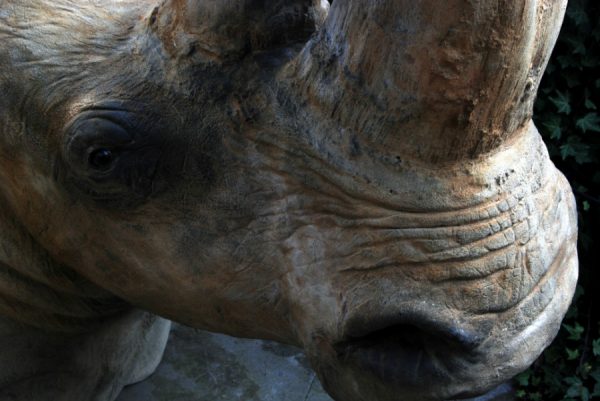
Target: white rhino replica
(360, 179)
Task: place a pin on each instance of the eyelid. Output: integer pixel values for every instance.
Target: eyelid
(90, 133)
(99, 131)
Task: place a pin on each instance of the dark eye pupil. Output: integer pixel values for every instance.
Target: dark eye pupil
(101, 158)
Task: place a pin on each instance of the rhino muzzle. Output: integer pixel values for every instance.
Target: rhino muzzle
(419, 354)
(451, 304)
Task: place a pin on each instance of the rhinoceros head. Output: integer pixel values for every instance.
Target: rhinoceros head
(361, 180)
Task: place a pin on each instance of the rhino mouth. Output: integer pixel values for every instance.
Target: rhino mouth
(409, 356)
(398, 354)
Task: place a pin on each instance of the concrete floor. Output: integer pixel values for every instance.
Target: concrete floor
(201, 366)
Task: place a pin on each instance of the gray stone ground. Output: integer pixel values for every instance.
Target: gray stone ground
(201, 366)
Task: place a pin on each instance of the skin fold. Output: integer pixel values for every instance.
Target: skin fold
(362, 180)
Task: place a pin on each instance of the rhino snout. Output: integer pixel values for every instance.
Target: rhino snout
(452, 310)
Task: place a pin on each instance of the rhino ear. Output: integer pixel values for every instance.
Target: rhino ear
(228, 29)
(436, 81)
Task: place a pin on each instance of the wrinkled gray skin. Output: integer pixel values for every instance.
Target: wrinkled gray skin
(362, 181)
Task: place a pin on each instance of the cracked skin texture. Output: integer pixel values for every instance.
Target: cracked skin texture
(362, 181)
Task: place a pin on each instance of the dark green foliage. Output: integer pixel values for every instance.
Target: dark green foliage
(567, 113)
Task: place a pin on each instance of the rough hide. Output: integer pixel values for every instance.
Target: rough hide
(363, 181)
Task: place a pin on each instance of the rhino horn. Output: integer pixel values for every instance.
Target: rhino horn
(436, 83)
(221, 30)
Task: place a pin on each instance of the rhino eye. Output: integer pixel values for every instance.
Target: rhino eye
(111, 156)
(102, 159)
(95, 140)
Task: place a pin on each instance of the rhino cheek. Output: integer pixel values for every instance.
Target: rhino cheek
(202, 286)
(142, 261)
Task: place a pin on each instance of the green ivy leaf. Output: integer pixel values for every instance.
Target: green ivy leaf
(578, 15)
(567, 61)
(596, 374)
(584, 394)
(589, 104)
(590, 122)
(553, 127)
(586, 206)
(596, 350)
(521, 394)
(585, 370)
(596, 392)
(579, 292)
(562, 101)
(523, 378)
(577, 45)
(582, 188)
(574, 148)
(590, 61)
(572, 78)
(573, 391)
(572, 354)
(575, 385)
(575, 332)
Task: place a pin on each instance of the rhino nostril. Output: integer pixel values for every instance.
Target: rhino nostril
(408, 335)
(396, 354)
(408, 353)
(415, 334)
